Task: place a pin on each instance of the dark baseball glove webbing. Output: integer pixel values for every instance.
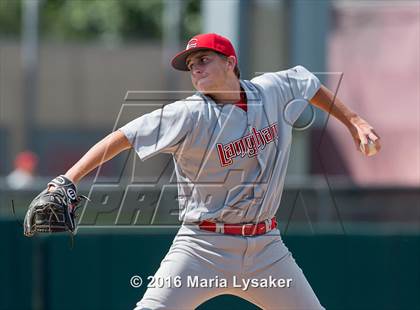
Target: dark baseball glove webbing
(53, 211)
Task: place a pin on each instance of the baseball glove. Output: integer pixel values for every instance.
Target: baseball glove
(54, 210)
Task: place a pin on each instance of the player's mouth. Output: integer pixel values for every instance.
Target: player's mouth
(201, 79)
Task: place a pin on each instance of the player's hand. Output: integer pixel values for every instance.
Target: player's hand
(365, 138)
(53, 210)
(52, 187)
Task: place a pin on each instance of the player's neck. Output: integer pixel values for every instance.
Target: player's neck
(230, 93)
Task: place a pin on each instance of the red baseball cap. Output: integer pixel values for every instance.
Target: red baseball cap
(206, 41)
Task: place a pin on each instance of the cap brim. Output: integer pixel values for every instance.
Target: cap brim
(179, 61)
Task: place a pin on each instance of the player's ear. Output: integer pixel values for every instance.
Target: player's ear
(231, 61)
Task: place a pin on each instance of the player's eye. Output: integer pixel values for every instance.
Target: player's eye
(190, 65)
(204, 59)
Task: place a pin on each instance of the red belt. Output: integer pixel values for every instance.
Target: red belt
(240, 229)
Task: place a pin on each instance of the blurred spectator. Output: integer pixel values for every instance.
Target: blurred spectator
(23, 175)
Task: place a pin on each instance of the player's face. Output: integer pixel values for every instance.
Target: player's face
(208, 71)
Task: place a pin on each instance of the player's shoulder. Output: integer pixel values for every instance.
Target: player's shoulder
(194, 102)
(275, 75)
(299, 72)
(188, 103)
(284, 78)
(189, 107)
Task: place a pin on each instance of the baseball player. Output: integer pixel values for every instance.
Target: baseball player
(230, 142)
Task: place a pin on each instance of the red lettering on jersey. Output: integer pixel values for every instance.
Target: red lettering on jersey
(224, 159)
(249, 145)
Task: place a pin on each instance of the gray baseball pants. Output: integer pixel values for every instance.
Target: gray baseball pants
(201, 265)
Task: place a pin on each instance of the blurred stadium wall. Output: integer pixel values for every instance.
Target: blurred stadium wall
(377, 48)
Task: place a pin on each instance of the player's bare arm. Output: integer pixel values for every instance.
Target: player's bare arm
(101, 152)
(361, 131)
(53, 210)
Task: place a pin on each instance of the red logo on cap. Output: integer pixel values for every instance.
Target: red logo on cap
(192, 43)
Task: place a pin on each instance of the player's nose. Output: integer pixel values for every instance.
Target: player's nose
(196, 70)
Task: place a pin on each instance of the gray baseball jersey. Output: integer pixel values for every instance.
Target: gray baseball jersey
(230, 164)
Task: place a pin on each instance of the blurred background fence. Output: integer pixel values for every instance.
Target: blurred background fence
(67, 68)
(360, 271)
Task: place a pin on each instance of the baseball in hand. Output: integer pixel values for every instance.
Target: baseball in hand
(369, 149)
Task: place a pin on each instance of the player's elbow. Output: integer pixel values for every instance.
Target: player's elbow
(120, 141)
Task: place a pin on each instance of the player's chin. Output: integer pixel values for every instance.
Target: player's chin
(204, 87)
